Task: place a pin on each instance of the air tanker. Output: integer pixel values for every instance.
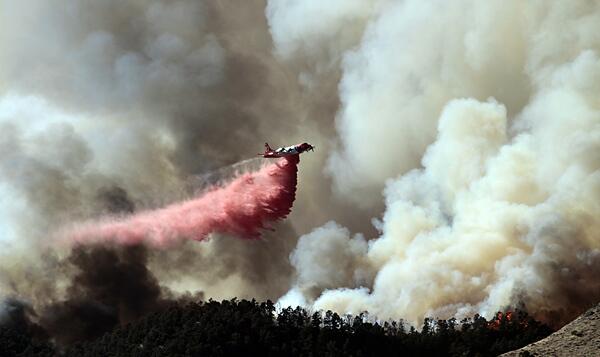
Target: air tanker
(286, 151)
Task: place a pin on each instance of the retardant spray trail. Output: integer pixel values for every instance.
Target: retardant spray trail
(242, 207)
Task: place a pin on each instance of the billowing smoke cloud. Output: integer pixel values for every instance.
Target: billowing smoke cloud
(241, 207)
(480, 122)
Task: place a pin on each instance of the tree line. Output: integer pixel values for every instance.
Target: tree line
(250, 328)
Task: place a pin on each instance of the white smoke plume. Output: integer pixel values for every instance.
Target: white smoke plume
(481, 124)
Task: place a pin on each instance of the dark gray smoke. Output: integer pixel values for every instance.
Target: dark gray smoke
(112, 286)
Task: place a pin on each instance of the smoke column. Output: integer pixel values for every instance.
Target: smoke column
(242, 208)
(478, 125)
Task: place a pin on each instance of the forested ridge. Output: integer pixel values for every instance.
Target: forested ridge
(249, 328)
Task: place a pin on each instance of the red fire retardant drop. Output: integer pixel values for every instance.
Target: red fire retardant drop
(242, 207)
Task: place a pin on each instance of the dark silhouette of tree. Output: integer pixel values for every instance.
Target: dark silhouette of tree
(249, 328)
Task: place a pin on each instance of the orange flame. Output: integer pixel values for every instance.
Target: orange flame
(507, 317)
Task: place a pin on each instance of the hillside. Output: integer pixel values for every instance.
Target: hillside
(581, 337)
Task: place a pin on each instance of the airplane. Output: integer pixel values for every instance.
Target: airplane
(286, 151)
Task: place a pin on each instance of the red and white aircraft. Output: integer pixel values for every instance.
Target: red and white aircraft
(286, 151)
